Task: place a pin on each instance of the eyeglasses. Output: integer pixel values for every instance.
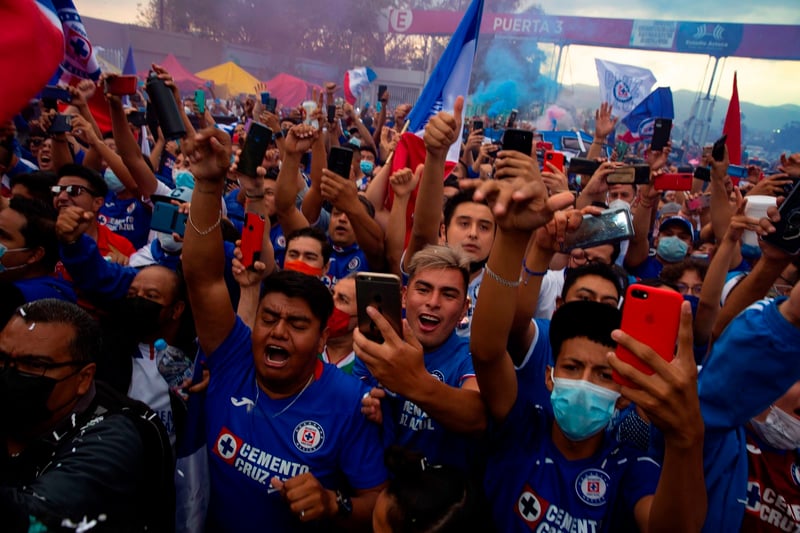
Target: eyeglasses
(72, 190)
(35, 365)
(685, 289)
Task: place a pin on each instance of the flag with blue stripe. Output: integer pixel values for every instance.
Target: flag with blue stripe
(658, 104)
(80, 59)
(450, 77)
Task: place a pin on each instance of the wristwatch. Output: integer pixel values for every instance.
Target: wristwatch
(345, 505)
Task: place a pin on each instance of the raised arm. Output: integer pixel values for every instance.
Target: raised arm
(298, 141)
(520, 205)
(203, 257)
(312, 201)
(604, 124)
(402, 182)
(82, 129)
(441, 132)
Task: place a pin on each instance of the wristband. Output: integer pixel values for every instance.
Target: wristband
(278, 135)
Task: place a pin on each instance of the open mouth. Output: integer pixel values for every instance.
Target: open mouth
(428, 322)
(276, 356)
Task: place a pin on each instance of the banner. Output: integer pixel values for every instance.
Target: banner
(623, 86)
(80, 60)
(733, 127)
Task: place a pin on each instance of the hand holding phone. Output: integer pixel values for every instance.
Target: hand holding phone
(718, 149)
(608, 227)
(121, 85)
(661, 131)
(518, 140)
(167, 218)
(255, 146)
(252, 237)
(340, 160)
(554, 158)
(650, 315)
(381, 291)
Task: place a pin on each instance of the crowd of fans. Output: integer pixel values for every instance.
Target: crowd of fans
(493, 413)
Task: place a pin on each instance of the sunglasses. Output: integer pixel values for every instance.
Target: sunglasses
(71, 190)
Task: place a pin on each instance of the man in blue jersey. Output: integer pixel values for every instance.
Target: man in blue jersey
(288, 447)
(431, 398)
(562, 472)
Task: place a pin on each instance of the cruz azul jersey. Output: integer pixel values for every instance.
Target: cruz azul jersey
(532, 487)
(250, 440)
(128, 218)
(409, 426)
(344, 261)
(773, 489)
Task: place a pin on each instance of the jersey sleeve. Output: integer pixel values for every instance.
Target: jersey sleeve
(641, 479)
(92, 273)
(361, 456)
(234, 356)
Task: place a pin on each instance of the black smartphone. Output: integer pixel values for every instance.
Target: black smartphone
(702, 173)
(512, 119)
(661, 130)
(255, 146)
(331, 114)
(518, 140)
(610, 226)
(265, 98)
(477, 125)
(634, 174)
(381, 291)
(137, 118)
(51, 94)
(718, 150)
(787, 229)
(381, 91)
(61, 124)
(340, 160)
(581, 165)
(167, 219)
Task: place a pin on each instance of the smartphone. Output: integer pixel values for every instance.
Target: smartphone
(554, 158)
(699, 203)
(580, 165)
(634, 174)
(608, 227)
(167, 219)
(477, 125)
(136, 118)
(718, 149)
(331, 114)
(518, 140)
(381, 291)
(200, 101)
(264, 98)
(737, 171)
(652, 316)
(787, 229)
(622, 149)
(673, 182)
(271, 105)
(255, 146)
(661, 130)
(121, 85)
(340, 160)
(252, 237)
(512, 119)
(51, 94)
(61, 124)
(381, 91)
(702, 173)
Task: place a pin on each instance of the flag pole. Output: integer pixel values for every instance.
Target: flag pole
(391, 154)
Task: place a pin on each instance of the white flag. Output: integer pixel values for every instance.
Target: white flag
(623, 86)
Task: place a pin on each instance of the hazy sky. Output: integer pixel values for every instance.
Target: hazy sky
(761, 82)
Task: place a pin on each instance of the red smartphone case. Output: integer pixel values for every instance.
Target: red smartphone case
(554, 158)
(673, 182)
(252, 236)
(652, 316)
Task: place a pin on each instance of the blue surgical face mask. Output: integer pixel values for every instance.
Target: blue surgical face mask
(184, 178)
(355, 141)
(582, 409)
(367, 167)
(672, 249)
(111, 179)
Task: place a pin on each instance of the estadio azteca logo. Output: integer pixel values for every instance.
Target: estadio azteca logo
(308, 436)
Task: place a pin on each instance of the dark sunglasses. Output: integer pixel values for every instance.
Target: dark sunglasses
(72, 190)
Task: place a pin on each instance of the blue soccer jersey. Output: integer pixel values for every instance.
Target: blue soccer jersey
(252, 438)
(408, 425)
(128, 218)
(345, 261)
(532, 487)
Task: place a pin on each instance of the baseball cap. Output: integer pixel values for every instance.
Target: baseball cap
(679, 220)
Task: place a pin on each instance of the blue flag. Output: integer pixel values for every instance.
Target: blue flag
(450, 77)
(80, 59)
(657, 105)
(129, 69)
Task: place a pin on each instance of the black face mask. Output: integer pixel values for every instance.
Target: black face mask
(143, 316)
(23, 400)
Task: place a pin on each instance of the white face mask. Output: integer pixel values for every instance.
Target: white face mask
(618, 204)
(168, 242)
(780, 430)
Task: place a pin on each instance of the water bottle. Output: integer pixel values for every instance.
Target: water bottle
(173, 365)
(169, 118)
